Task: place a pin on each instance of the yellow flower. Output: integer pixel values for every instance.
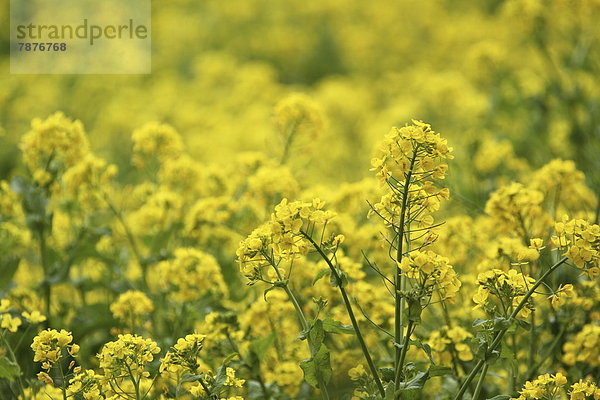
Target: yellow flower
(4, 305)
(48, 345)
(35, 317)
(130, 306)
(9, 322)
(357, 372)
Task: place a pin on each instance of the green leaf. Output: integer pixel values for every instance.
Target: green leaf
(479, 322)
(267, 291)
(524, 324)
(191, 378)
(507, 353)
(501, 323)
(492, 356)
(334, 282)
(412, 389)
(438, 370)
(389, 391)
(317, 368)
(320, 275)
(316, 336)
(259, 347)
(221, 376)
(414, 310)
(8, 369)
(387, 374)
(500, 397)
(425, 347)
(332, 326)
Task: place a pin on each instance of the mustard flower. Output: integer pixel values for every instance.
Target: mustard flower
(49, 344)
(131, 306)
(129, 354)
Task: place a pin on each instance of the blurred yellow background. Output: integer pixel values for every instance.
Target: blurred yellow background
(512, 84)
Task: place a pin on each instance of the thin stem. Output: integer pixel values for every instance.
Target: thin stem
(514, 366)
(350, 312)
(500, 334)
(63, 385)
(46, 284)
(136, 384)
(532, 342)
(13, 359)
(448, 321)
(130, 238)
(288, 142)
(403, 351)
(480, 382)
(399, 277)
(205, 387)
(303, 323)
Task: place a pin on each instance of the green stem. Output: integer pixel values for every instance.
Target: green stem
(46, 284)
(514, 367)
(453, 354)
(13, 359)
(130, 239)
(532, 342)
(350, 312)
(205, 387)
(303, 323)
(500, 334)
(403, 352)
(136, 384)
(480, 382)
(63, 385)
(399, 278)
(288, 142)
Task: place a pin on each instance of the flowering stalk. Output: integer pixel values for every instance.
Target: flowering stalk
(303, 324)
(350, 311)
(498, 339)
(480, 382)
(400, 278)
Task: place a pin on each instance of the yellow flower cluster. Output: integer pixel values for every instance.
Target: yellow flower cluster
(562, 180)
(584, 390)
(9, 322)
(433, 271)
(126, 356)
(86, 384)
(49, 344)
(449, 341)
(191, 274)
(131, 306)
(583, 347)
(231, 380)
(514, 205)
(160, 210)
(357, 372)
(561, 295)
(509, 287)
(298, 114)
(415, 148)
(155, 140)
(544, 386)
(52, 146)
(184, 355)
(281, 237)
(85, 181)
(581, 240)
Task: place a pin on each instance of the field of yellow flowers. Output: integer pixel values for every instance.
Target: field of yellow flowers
(310, 200)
